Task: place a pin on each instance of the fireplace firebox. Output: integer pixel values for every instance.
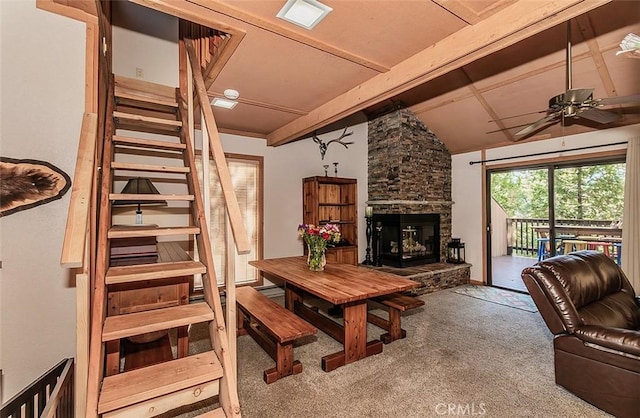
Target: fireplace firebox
(404, 240)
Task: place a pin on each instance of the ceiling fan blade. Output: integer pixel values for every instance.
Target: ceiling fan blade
(577, 95)
(517, 116)
(600, 116)
(506, 129)
(634, 98)
(536, 125)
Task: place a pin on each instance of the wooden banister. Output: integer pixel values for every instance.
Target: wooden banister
(75, 234)
(50, 395)
(233, 209)
(61, 403)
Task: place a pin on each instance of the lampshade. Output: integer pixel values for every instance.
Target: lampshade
(140, 185)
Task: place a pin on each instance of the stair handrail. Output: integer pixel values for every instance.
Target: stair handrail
(238, 229)
(75, 234)
(50, 395)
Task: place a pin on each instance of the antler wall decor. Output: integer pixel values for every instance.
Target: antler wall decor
(324, 146)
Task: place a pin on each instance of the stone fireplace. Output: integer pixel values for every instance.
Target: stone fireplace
(409, 171)
(410, 180)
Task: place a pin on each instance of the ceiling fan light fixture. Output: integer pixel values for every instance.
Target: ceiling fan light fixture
(224, 103)
(304, 13)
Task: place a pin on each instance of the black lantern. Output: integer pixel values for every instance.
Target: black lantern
(455, 251)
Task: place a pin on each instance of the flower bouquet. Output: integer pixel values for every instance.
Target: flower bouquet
(317, 238)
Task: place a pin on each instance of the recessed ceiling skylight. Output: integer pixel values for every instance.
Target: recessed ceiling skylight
(304, 13)
(224, 103)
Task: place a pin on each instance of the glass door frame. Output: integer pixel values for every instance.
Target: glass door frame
(550, 165)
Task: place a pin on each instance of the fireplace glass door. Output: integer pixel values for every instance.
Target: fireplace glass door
(407, 239)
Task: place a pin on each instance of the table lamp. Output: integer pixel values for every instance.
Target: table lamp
(139, 185)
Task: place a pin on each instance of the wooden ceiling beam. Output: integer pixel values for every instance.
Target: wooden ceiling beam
(487, 107)
(505, 28)
(191, 12)
(263, 105)
(586, 28)
(82, 10)
(463, 10)
(281, 30)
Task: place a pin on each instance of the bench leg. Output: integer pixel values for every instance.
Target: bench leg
(241, 328)
(285, 365)
(282, 354)
(395, 330)
(392, 325)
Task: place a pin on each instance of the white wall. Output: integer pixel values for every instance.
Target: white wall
(42, 99)
(467, 180)
(466, 212)
(146, 39)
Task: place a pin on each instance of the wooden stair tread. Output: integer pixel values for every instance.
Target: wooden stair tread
(131, 117)
(137, 86)
(137, 96)
(148, 143)
(150, 167)
(122, 326)
(139, 272)
(141, 123)
(175, 197)
(124, 389)
(216, 413)
(152, 231)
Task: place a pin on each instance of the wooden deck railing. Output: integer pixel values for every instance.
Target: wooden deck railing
(51, 395)
(522, 237)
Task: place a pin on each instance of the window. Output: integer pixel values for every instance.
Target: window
(246, 176)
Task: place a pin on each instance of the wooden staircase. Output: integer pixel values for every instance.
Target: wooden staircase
(140, 108)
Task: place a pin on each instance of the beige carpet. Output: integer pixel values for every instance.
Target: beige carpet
(503, 297)
(462, 357)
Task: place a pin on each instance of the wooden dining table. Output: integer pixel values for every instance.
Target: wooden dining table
(345, 285)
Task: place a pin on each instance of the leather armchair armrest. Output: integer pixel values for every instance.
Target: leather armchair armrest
(619, 339)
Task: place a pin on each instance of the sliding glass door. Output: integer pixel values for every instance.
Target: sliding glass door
(519, 204)
(538, 212)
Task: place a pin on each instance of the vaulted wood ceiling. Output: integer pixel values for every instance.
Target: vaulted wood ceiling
(460, 65)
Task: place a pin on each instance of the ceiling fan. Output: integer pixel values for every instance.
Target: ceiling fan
(576, 103)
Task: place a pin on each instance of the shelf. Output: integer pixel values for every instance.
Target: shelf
(336, 222)
(335, 204)
(333, 200)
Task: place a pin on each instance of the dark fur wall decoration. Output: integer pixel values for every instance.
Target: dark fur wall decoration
(25, 184)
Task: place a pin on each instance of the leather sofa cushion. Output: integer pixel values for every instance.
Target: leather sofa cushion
(597, 288)
(622, 340)
(617, 310)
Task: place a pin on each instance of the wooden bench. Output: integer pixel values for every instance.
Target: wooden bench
(274, 328)
(395, 303)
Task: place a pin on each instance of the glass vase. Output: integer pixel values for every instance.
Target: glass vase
(316, 255)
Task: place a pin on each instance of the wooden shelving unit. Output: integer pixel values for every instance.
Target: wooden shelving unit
(333, 200)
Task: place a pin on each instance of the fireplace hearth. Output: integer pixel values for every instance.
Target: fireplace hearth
(404, 240)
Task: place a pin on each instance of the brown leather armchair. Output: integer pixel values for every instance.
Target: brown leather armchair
(589, 305)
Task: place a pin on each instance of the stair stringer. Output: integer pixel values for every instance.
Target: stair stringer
(98, 294)
(217, 328)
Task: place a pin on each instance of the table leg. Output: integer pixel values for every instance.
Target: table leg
(292, 294)
(355, 331)
(355, 342)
